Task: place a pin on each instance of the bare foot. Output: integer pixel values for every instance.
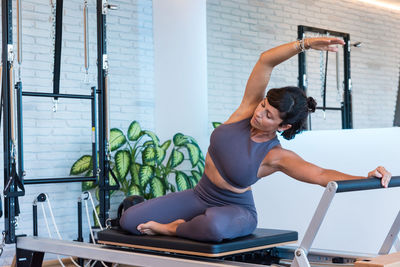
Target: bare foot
(154, 228)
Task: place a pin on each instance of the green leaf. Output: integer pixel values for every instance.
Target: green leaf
(196, 176)
(216, 124)
(122, 162)
(117, 139)
(134, 190)
(175, 158)
(134, 131)
(145, 174)
(134, 169)
(172, 188)
(149, 156)
(88, 185)
(182, 181)
(148, 143)
(96, 224)
(200, 167)
(180, 139)
(194, 154)
(157, 187)
(153, 136)
(166, 145)
(82, 165)
(160, 154)
(117, 175)
(193, 181)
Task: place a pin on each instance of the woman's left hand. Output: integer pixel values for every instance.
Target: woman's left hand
(323, 43)
(381, 173)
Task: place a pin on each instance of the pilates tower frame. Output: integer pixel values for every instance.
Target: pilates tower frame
(346, 106)
(100, 110)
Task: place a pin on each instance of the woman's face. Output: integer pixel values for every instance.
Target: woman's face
(266, 118)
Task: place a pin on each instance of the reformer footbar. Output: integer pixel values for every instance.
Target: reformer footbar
(300, 254)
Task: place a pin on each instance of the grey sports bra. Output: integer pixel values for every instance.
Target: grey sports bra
(237, 157)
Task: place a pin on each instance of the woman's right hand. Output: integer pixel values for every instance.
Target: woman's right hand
(383, 174)
(323, 43)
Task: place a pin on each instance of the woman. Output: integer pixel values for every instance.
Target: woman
(242, 150)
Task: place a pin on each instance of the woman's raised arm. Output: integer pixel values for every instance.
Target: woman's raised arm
(260, 75)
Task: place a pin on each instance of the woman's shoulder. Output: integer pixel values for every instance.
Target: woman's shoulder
(275, 155)
(239, 115)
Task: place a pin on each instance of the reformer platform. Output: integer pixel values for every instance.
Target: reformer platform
(260, 239)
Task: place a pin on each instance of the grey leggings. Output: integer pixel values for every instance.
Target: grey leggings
(211, 214)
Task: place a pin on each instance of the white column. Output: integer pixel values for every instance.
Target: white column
(180, 52)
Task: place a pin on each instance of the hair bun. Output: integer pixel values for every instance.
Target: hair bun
(311, 104)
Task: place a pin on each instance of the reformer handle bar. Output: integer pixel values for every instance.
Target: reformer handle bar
(365, 184)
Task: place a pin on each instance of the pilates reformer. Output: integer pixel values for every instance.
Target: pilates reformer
(263, 247)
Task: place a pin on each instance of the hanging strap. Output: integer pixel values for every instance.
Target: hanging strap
(57, 48)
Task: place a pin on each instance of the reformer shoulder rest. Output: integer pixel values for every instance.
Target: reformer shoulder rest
(260, 239)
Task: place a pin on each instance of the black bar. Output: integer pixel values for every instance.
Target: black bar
(18, 87)
(57, 47)
(104, 193)
(56, 95)
(60, 180)
(365, 184)
(322, 31)
(80, 232)
(328, 108)
(35, 220)
(9, 202)
(302, 81)
(347, 109)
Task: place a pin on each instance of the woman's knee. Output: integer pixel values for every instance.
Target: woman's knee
(129, 224)
(214, 231)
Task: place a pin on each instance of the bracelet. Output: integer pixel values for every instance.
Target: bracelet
(301, 45)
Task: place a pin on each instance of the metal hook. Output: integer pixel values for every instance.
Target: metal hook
(55, 103)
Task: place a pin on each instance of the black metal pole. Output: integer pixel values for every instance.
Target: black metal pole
(80, 232)
(18, 87)
(35, 219)
(60, 180)
(9, 202)
(347, 85)
(104, 194)
(57, 47)
(56, 95)
(302, 62)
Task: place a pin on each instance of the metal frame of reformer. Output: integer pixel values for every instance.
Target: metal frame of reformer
(300, 254)
(13, 174)
(346, 106)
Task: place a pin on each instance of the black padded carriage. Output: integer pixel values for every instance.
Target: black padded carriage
(260, 239)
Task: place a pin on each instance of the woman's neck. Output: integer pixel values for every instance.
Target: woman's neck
(261, 136)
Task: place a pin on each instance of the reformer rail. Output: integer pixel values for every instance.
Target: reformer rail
(300, 255)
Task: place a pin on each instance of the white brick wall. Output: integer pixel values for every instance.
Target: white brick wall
(239, 30)
(53, 141)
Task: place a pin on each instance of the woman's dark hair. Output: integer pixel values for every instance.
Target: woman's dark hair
(293, 106)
